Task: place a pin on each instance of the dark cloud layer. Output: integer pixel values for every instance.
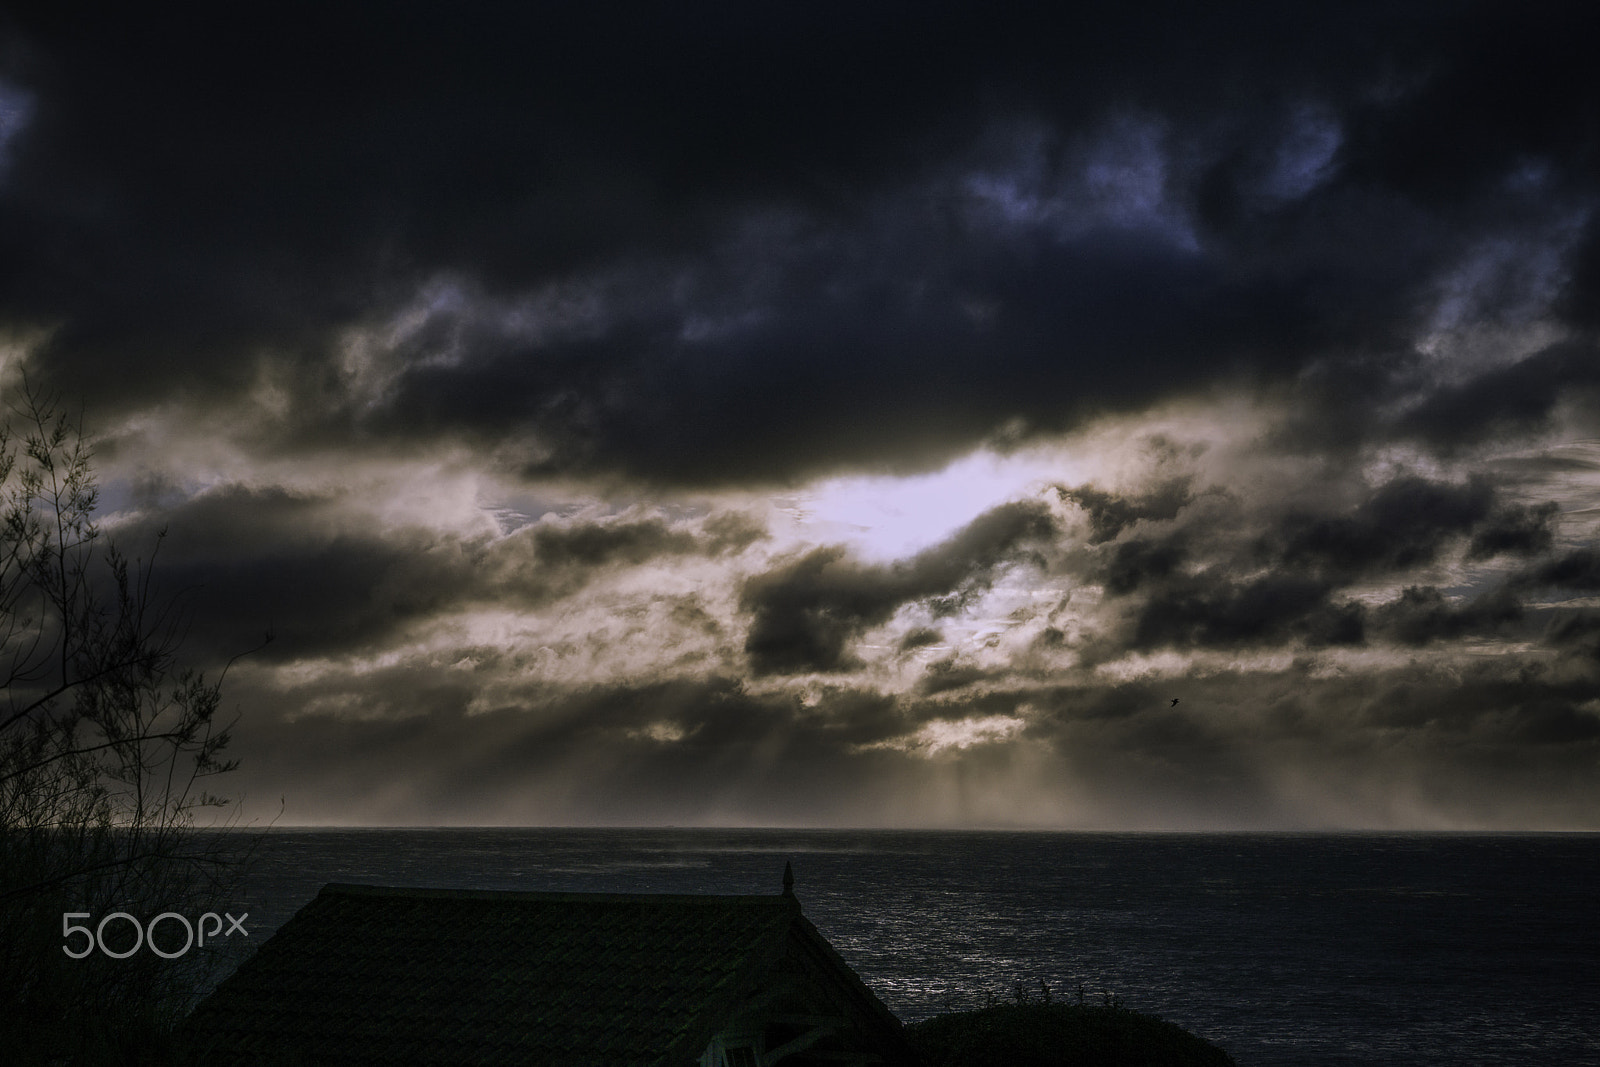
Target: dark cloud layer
(814, 224)
(466, 349)
(1515, 529)
(1401, 525)
(1575, 571)
(1272, 610)
(250, 561)
(1111, 513)
(1187, 588)
(1516, 399)
(1421, 615)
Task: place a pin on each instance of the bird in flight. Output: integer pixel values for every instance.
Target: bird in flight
(1174, 703)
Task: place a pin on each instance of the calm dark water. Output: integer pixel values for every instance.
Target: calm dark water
(1284, 949)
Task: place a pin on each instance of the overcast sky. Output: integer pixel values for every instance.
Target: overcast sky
(843, 413)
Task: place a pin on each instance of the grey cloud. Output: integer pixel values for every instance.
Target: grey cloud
(946, 675)
(1191, 586)
(732, 532)
(1206, 612)
(1569, 626)
(244, 561)
(1136, 562)
(333, 597)
(805, 613)
(232, 519)
(550, 559)
(1555, 723)
(1111, 513)
(1577, 570)
(1579, 303)
(1513, 400)
(920, 637)
(1517, 529)
(1503, 710)
(1403, 523)
(1422, 614)
(326, 580)
(1575, 632)
(593, 544)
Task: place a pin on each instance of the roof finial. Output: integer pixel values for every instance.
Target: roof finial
(788, 879)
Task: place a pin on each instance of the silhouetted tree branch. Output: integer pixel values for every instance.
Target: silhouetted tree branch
(105, 743)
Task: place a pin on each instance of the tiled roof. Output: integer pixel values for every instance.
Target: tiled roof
(370, 975)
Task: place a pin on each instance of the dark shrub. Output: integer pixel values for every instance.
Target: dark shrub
(1059, 1035)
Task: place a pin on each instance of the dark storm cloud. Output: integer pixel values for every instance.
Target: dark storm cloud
(1422, 614)
(946, 675)
(592, 544)
(1516, 529)
(1276, 612)
(853, 251)
(1139, 561)
(1508, 401)
(860, 364)
(1188, 585)
(897, 343)
(920, 637)
(1111, 513)
(1498, 707)
(547, 560)
(1575, 632)
(1204, 612)
(1575, 571)
(248, 561)
(1502, 83)
(1405, 522)
(1580, 302)
(322, 597)
(1568, 627)
(327, 583)
(804, 613)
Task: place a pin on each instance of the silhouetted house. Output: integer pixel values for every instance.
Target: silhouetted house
(371, 975)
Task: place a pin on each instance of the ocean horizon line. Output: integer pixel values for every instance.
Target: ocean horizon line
(1096, 831)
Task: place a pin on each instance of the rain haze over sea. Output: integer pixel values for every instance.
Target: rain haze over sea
(1287, 950)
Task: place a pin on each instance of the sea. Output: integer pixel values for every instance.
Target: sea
(1284, 949)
